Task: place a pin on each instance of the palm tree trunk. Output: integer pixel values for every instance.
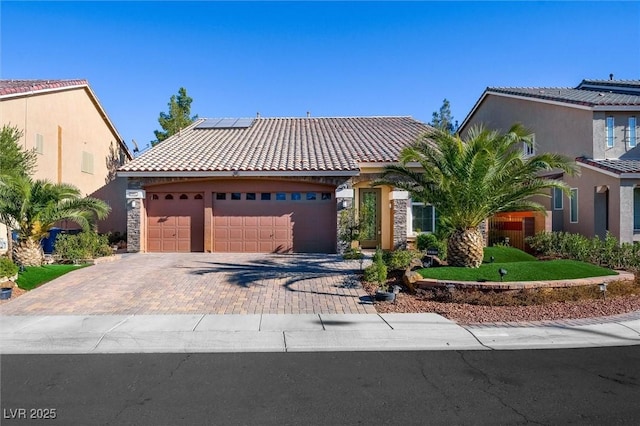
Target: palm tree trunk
(465, 248)
(28, 252)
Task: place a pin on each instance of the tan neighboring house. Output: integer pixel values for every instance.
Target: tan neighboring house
(597, 124)
(270, 185)
(75, 140)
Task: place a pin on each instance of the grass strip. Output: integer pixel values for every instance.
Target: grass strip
(34, 276)
(560, 269)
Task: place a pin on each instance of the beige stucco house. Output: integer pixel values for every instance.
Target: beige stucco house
(597, 124)
(75, 140)
(270, 185)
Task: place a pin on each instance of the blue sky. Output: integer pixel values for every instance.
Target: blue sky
(329, 58)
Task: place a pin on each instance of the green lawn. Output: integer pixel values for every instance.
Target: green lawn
(520, 266)
(34, 276)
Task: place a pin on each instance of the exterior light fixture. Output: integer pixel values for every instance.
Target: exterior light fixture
(603, 289)
(492, 259)
(502, 273)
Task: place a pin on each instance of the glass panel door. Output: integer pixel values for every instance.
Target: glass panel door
(369, 215)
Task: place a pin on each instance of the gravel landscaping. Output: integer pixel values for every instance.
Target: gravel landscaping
(465, 313)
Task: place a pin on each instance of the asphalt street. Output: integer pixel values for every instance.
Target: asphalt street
(561, 386)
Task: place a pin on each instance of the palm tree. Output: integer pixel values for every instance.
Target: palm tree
(14, 161)
(467, 181)
(34, 207)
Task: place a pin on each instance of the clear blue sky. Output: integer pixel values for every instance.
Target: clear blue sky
(329, 58)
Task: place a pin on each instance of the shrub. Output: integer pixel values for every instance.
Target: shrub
(606, 252)
(85, 245)
(352, 254)
(399, 259)
(432, 242)
(377, 271)
(7, 267)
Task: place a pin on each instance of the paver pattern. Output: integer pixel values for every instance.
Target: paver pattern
(202, 283)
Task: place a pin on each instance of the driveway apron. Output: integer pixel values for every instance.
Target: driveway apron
(202, 283)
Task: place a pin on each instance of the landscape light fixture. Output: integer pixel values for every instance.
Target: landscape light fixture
(492, 259)
(603, 289)
(502, 273)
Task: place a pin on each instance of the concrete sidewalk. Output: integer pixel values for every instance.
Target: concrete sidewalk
(94, 334)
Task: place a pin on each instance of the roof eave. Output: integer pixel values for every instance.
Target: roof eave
(239, 173)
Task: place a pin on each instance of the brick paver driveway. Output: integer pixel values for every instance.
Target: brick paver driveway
(202, 283)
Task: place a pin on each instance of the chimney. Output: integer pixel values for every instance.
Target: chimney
(610, 76)
(258, 114)
(308, 114)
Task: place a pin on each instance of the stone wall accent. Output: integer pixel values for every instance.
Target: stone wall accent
(134, 220)
(400, 224)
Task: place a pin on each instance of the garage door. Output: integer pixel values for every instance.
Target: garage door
(175, 222)
(278, 222)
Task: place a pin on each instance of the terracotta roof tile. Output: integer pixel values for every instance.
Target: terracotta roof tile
(16, 87)
(283, 144)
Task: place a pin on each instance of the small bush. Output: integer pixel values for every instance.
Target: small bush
(85, 245)
(399, 259)
(7, 267)
(432, 242)
(377, 272)
(352, 254)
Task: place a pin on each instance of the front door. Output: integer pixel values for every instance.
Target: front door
(369, 215)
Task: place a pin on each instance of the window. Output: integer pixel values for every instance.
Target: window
(198, 197)
(39, 143)
(557, 199)
(281, 196)
(529, 149)
(326, 195)
(168, 197)
(184, 197)
(610, 128)
(87, 162)
(251, 196)
(236, 196)
(311, 196)
(154, 197)
(633, 138)
(265, 196)
(221, 196)
(423, 218)
(573, 207)
(295, 196)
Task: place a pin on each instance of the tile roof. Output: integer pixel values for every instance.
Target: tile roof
(16, 87)
(328, 144)
(613, 165)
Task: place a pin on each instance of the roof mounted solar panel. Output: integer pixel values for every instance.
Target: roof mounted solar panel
(225, 123)
(243, 123)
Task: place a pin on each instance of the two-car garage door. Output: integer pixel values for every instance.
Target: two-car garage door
(260, 222)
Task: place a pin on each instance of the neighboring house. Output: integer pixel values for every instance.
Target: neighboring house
(597, 124)
(269, 185)
(75, 140)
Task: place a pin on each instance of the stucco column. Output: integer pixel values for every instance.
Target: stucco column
(626, 211)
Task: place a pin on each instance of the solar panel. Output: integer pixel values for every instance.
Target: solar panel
(243, 123)
(225, 123)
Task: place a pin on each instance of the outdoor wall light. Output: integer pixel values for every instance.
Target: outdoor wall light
(603, 289)
(502, 273)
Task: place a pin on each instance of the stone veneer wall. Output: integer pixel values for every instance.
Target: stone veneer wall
(400, 224)
(134, 219)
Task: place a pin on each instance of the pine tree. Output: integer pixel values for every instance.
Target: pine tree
(177, 118)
